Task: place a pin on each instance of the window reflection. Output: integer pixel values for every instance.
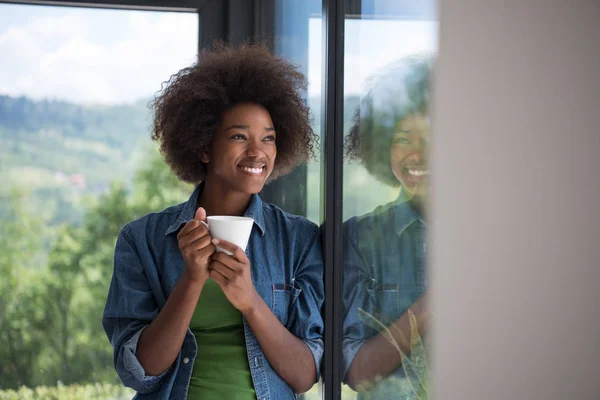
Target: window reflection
(385, 274)
(369, 52)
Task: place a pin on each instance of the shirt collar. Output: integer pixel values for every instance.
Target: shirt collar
(188, 210)
(405, 214)
(255, 211)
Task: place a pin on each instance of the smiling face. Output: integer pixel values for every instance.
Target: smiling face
(408, 155)
(242, 153)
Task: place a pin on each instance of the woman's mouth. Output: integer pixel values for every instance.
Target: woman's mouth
(416, 172)
(253, 170)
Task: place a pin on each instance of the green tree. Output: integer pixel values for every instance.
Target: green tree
(155, 186)
(51, 304)
(21, 235)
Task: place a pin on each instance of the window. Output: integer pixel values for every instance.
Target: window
(388, 57)
(76, 163)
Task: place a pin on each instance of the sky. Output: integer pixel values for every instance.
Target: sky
(69, 54)
(370, 45)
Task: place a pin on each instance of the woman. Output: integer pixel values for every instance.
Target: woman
(385, 250)
(185, 321)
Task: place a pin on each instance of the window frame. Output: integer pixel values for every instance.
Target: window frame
(332, 105)
(332, 175)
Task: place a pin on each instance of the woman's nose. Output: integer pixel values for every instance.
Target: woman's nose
(421, 144)
(415, 157)
(419, 151)
(255, 149)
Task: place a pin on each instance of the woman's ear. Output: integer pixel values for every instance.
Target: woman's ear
(204, 157)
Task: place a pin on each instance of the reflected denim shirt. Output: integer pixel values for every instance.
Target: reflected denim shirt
(384, 270)
(287, 271)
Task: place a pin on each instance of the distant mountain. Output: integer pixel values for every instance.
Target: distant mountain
(61, 151)
(60, 137)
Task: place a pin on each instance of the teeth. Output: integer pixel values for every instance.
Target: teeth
(252, 170)
(416, 172)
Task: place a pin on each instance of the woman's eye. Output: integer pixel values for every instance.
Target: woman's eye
(238, 136)
(270, 138)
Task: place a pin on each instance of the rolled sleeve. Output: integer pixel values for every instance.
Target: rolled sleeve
(349, 349)
(133, 365)
(130, 307)
(316, 348)
(306, 322)
(355, 332)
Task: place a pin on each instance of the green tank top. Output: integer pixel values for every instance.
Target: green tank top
(221, 369)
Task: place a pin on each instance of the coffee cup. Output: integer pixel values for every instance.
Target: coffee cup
(230, 228)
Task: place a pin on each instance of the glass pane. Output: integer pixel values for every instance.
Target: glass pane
(298, 33)
(297, 37)
(389, 52)
(315, 75)
(76, 163)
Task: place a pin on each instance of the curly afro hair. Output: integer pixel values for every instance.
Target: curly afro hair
(401, 89)
(189, 108)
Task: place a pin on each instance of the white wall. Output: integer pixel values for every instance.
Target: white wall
(516, 218)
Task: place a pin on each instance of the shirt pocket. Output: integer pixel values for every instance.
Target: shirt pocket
(284, 295)
(389, 301)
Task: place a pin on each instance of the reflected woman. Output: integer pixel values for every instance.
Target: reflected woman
(185, 321)
(385, 250)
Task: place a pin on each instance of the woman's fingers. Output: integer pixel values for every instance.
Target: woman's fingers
(236, 251)
(221, 268)
(191, 226)
(220, 273)
(228, 261)
(195, 241)
(207, 251)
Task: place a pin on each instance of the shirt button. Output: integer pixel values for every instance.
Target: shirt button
(186, 360)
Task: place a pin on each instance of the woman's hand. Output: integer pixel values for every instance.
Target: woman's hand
(232, 273)
(195, 244)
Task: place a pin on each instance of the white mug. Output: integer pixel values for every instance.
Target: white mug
(233, 229)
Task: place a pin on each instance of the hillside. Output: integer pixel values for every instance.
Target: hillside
(59, 137)
(61, 151)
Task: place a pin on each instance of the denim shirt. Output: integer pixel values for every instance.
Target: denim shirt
(384, 270)
(287, 271)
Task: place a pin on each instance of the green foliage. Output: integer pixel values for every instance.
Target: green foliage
(98, 391)
(151, 182)
(416, 385)
(20, 243)
(51, 301)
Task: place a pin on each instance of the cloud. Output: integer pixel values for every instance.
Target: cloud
(68, 56)
(119, 56)
(370, 45)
